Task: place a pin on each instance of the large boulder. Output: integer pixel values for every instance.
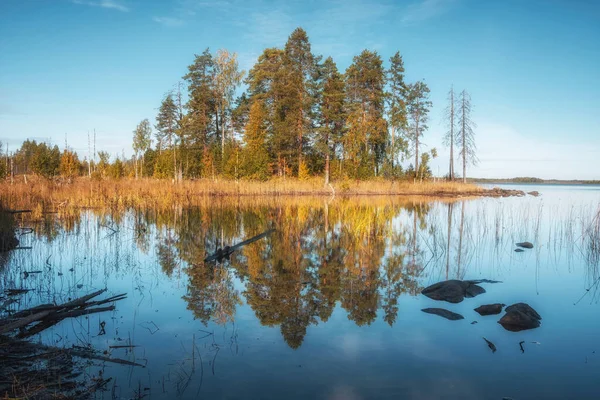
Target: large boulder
(490, 309)
(520, 317)
(442, 312)
(453, 291)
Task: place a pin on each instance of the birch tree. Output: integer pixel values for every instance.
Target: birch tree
(142, 140)
(227, 78)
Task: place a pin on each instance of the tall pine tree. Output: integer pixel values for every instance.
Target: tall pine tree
(332, 113)
(167, 125)
(367, 129)
(418, 106)
(201, 107)
(300, 70)
(396, 111)
(255, 159)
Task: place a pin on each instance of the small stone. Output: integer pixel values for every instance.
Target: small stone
(525, 245)
(490, 309)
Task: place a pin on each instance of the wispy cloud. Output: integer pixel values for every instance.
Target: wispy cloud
(110, 4)
(269, 28)
(171, 22)
(185, 10)
(423, 10)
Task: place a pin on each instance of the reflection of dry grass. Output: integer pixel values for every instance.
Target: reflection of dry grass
(159, 193)
(592, 239)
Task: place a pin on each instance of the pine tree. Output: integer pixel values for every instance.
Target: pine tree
(300, 70)
(332, 113)
(267, 83)
(466, 134)
(255, 159)
(200, 132)
(166, 126)
(69, 164)
(396, 111)
(418, 105)
(367, 128)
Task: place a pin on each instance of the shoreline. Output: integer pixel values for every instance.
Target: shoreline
(44, 195)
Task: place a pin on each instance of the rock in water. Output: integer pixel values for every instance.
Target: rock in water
(520, 317)
(490, 309)
(443, 313)
(473, 290)
(519, 250)
(525, 245)
(534, 193)
(453, 291)
(524, 308)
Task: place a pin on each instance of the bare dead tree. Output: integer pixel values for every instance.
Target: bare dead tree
(466, 135)
(450, 135)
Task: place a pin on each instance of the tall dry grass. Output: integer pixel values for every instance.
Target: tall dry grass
(41, 195)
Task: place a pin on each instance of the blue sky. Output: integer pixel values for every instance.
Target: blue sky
(532, 66)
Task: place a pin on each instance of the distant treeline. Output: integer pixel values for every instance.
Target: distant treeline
(299, 116)
(534, 180)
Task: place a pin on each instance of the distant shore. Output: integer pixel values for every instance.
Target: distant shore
(527, 181)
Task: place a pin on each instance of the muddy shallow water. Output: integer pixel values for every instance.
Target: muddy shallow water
(329, 305)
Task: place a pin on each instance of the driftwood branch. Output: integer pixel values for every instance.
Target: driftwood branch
(47, 315)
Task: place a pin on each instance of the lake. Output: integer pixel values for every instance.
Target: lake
(328, 306)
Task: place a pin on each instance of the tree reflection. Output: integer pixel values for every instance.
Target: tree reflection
(349, 256)
(320, 255)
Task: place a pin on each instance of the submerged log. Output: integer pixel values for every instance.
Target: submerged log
(225, 252)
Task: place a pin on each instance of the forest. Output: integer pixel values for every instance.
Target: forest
(293, 114)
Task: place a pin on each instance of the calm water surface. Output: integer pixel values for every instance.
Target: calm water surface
(329, 306)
